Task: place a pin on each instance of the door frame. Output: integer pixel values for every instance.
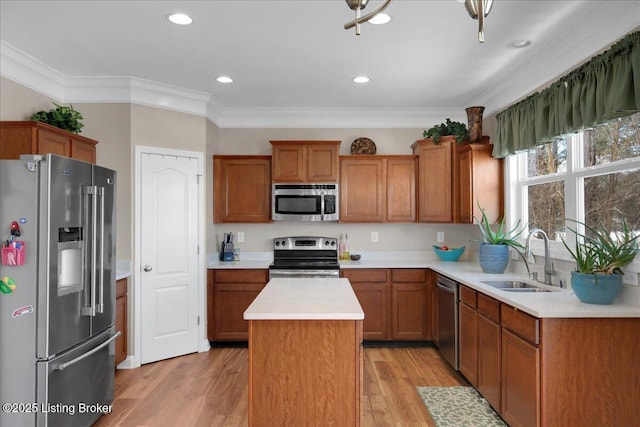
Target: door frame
(134, 360)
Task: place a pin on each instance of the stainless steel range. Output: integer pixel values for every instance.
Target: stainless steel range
(305, 256)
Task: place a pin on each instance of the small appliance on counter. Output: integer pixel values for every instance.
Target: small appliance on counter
(226, 249)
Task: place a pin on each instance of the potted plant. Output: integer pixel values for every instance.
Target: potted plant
(457, 129)
(493, 254)
(600, 256)
(61, 117)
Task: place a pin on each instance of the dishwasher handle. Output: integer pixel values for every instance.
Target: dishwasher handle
(446, 288)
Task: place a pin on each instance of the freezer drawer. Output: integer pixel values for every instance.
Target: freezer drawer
(76, 388)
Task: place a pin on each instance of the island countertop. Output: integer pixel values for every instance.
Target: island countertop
(305, 299)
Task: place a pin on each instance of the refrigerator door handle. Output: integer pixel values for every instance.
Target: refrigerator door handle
(100, 302)
(90, 192)
(65, 365)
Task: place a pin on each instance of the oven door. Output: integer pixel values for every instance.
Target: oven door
(294, 273)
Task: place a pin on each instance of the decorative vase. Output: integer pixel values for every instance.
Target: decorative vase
(493, 258)
(474, 116)
(596, 288)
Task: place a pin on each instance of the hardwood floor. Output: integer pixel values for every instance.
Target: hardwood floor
(210, 389)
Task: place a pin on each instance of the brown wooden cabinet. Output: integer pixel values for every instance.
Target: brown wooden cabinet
(396, 303)
(435, 322)
(26, 137)
(121, 320)
(480, 179)
(453, 179)
(409, 305)
(305, 161)
(468, 334)
(377, 189)
(489, 350)
(229, 293)
(242, 189)
(371, 289)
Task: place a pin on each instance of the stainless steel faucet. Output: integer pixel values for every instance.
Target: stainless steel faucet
(548, 265)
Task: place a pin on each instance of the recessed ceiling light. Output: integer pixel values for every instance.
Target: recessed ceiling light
(519, 44)
(361, 79)
(379, 19)
(180, 19)
(224, 79)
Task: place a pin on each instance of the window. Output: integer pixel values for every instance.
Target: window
(592, 176)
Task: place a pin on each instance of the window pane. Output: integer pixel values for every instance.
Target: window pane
(609, 198)
(547, 159)
(546, 208)
(617, 140)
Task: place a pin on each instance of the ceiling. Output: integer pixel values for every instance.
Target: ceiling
(292, 61)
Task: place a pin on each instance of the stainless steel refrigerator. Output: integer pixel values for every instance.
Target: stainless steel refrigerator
(57, 291)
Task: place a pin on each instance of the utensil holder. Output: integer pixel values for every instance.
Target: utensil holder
(13, 256)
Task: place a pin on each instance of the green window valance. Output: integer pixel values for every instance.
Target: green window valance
(606, 87)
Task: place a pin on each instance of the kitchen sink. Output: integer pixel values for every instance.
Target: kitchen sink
(517, 286)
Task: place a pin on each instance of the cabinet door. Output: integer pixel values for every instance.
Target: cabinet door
(121, 320)
(520, 381)
(468, 342)
(362, 195)
(435, 183)
(489, 360)
(242, 189)
(49, 142)
(409, 309)
(322, 163)
(84, 151)
(435, 323)
(230, 302)
(374, 302)
(401, 190)
(480, 183)
(289, 163)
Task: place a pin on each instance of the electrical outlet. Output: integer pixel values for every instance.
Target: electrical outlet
(240, 236)
(440, 237)
(374, 236)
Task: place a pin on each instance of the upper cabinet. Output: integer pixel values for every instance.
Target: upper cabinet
(453, 179)
(436, 162)
(305, 161)
(27, 137)
(377, 189)
(242, 189)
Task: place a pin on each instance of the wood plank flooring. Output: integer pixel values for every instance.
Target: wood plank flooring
(210, 389)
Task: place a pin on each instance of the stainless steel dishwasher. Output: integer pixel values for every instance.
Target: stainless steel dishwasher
(448, 319)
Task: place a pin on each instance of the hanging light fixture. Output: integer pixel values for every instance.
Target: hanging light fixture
(358, 5)
(479, 9)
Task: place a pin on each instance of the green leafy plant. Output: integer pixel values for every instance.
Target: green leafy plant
(457, 129)
(61, 117)
(601, 251)
(501, 236)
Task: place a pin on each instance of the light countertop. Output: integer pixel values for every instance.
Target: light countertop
(123, 269)
(305, 299)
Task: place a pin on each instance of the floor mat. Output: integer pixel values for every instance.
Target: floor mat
(459, 407)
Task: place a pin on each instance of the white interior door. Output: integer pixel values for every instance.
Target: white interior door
(169, 256)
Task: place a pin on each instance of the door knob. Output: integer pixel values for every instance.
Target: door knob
(147, 268)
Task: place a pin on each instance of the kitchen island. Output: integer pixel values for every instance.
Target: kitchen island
(305, 354)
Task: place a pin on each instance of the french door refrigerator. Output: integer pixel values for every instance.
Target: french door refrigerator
(57, 291)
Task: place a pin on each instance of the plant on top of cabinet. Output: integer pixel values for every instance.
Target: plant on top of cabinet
(61, 117)
(600, 256)
(457, 129)
(493, 253)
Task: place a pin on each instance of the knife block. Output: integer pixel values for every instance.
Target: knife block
(226, 252)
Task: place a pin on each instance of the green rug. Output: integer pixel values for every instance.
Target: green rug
(458, 407)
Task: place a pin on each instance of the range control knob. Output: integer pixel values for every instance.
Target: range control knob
(333, 243)
(283, 243)
(326, 243)
(277, 243)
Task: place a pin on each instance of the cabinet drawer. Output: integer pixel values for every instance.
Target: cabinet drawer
(468, 296)
(489, 307)
(409, 276)
(525, 326)
(241, 276)
(365, 275)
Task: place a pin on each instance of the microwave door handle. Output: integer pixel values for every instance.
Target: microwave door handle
(100, 302)
(322, 207)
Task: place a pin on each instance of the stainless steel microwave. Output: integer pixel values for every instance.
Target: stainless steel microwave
(305, 202)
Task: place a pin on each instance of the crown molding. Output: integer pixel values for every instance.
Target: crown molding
(28, 71)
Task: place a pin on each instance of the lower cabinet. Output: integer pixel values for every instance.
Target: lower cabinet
(395, 303)
(489, 350)
(121, 320)
(433, 292)
(468, 335)
(229, 293)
